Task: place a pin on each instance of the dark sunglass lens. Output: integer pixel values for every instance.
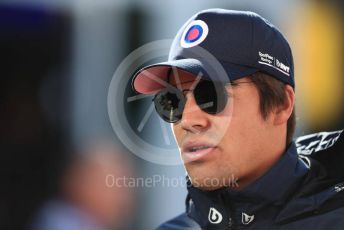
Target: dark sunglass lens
(211, 97)
(169, 105)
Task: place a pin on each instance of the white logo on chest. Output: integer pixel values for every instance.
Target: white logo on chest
(246, 219)
(214, 216)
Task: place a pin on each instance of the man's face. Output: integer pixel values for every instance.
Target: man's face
(225, 149)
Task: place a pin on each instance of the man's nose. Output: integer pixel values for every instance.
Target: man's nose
(194, 119)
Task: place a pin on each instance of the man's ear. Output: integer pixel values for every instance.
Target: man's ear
(283, 112)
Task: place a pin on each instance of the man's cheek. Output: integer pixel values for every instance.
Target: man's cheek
(177, 135)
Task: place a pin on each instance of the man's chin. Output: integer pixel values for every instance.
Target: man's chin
(207, 183)
(209, 188)
(210, 181)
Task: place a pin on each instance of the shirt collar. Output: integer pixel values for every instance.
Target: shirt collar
(281, 180)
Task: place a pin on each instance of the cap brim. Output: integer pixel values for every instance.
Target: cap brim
(153, 78)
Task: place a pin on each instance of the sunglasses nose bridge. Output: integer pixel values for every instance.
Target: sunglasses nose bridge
(190, 104)
(193, 118)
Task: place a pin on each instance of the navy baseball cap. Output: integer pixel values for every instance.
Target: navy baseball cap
(242, 42)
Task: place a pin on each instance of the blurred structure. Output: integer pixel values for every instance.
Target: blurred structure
(318, 44)
(88, 199)
(34, 50)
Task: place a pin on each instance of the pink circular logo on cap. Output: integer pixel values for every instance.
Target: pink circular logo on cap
(194, 34)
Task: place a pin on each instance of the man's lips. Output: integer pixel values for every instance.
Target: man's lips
(192, 151)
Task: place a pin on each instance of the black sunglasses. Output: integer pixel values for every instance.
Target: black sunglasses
(211, 97)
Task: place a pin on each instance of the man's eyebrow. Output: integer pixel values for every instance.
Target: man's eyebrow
(233, 83)
(181, 82)
(185, 90)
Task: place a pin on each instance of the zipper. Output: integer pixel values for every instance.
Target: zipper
(230, 211)
(230, 223)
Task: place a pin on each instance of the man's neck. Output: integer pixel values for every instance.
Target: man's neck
(276, 154)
